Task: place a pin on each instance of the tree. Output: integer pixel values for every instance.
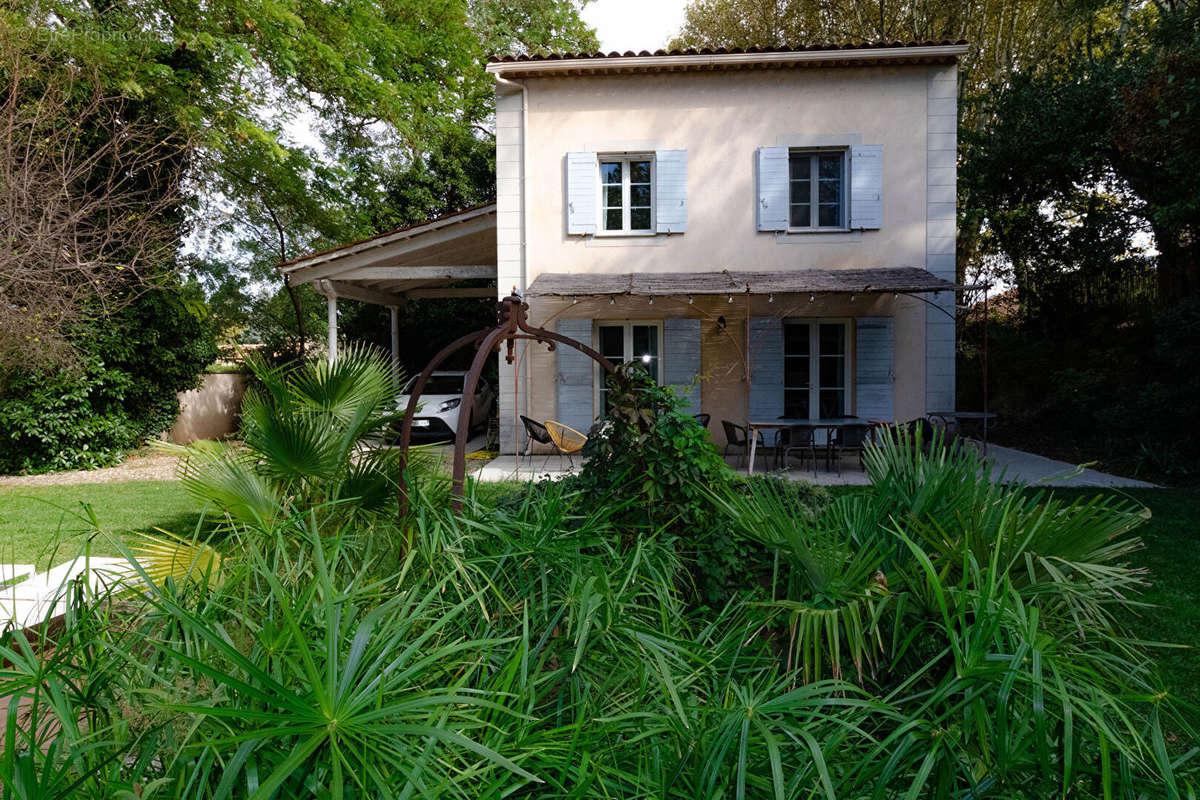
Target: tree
(1120, 126)
(358, 175)
(90, 189)
(1005, 35)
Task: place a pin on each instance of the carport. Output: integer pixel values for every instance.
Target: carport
(426, 260)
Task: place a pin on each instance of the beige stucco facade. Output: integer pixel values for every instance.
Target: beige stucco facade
(720, 118)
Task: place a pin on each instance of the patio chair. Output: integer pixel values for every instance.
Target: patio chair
(849, 439)
(567, 441)
(800, 441)
(735, 436)
(949, 425)
(537, 433)
(703, 419)
(919, 426)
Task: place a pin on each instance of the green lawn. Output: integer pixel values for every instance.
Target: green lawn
(1172, 555)
(49, 524)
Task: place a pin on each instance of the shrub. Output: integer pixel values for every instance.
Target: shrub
(122, 389)
(650, 456)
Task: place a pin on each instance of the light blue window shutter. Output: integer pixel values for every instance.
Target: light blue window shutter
(670, 204)
(771, 166)
(681, 359)
(583, 188)
(766, 368)
(866, 186)
(873, 368)
(574, 376)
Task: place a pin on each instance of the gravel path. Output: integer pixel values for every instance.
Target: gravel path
(144, 465)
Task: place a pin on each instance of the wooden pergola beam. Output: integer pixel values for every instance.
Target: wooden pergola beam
(448, 272)
(451, 291)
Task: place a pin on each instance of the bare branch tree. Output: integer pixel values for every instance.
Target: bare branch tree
(89, 188)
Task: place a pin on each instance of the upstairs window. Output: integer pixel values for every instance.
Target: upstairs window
(627, 194)
(817, 190)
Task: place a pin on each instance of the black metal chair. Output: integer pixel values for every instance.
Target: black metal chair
(796, 440)
(849, 439)
(735, 436)
(919, 427)
(537, 433)
(703, 419)
(948, 423)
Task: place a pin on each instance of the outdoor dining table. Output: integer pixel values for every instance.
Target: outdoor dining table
(830, 423)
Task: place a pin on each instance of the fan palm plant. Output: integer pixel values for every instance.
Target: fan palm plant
(992, 610)
(313, 437)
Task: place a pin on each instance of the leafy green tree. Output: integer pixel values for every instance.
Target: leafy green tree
(1005, 35)
(361, 172)
(1092, 141)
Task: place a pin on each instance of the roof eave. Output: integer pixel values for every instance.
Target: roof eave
(717, 60)
(381, 240)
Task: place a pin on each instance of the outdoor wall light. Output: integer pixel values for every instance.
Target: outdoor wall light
(721, 323)
(691, 299)
(812, 297)
(612, 301)
(651, 299)
(770, 298)
(731, 298)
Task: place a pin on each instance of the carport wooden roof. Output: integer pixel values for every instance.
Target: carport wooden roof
(420, 260)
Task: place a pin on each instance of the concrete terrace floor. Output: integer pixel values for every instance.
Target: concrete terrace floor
(1008, 465)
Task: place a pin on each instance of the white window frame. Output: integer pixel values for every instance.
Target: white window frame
(814, 189)
(625, 158)
(598, 373)
(814, 361)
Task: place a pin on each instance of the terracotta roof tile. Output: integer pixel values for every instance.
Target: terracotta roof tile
(705, 51)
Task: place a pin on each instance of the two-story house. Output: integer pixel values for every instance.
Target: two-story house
(770, 231)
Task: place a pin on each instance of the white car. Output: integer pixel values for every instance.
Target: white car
(441, 402)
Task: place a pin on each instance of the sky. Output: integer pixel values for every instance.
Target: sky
(634, 24)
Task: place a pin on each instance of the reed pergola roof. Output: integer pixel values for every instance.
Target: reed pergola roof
(893, 280)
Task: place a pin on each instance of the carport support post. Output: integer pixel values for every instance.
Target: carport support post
(331, 308)
(394, 313)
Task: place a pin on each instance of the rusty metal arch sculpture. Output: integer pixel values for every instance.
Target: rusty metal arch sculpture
(511, 324)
